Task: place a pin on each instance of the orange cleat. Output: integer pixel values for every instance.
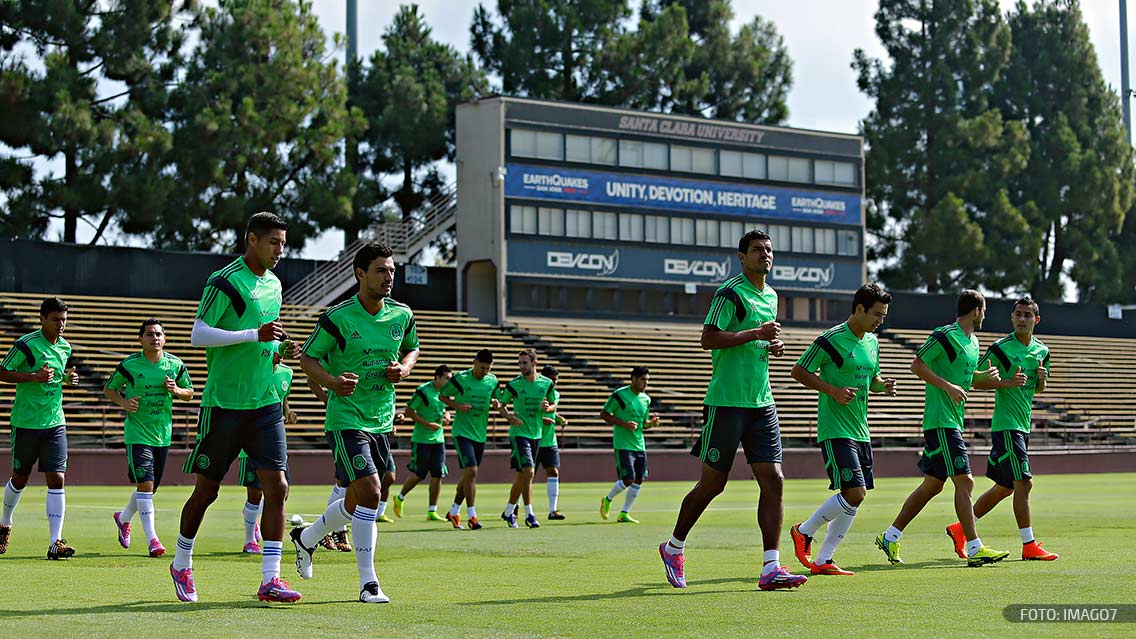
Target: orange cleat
(455, 520)
(829, 568)
(1034, 551)
(958, 537)
(802, 546)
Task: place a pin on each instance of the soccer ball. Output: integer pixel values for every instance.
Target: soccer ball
(297, 520)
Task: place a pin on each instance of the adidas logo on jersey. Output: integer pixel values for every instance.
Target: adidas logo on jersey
(356, 335)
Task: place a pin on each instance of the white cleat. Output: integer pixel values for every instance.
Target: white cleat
(371, 593)
(303, 554)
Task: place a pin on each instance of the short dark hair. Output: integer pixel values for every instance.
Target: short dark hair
(153, 321)
(867, 296)
(52, 305)
(263, 222)
(370, 252)
(639, 371)
(550, 371)
(754, 234)
(969, 300)
(1029, 301)
(441, 370)
(529, 353)
(485, 356)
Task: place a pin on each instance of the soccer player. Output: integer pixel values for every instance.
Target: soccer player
(741, 331)
(549, 455)
(947, 362)
(427, 442)
(470, 395)
(1023, 361)
(628, 411)
(336, 539)
(237, 321)
(282, 385)
(531, 394)
(145, 385)
(39, 364)
(847, 357)
(371, 344)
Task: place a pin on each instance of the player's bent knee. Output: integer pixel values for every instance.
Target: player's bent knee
(53, 480)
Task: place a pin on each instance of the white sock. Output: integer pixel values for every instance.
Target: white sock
(632, 493)
(56, 509)
(382, 510)
(616, 489)
(510, 509)
(146, 514)
(130, 508)
(674, 546)
(270, 560)
(363, 522)
(401, 497)
(433, 508)
(455, 509)
(183, 553)
(529, 510)
(251, 512)
(470, 511)
(11, 498)
(1027, 534)
(771, 560)
(837, 529)
(892, 534)
(553, 487)
(829, 510)
(972, 546)
(335, 515)
(337, 492)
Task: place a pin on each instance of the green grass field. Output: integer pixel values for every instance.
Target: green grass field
(581, 577)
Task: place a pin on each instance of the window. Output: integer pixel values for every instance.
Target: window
(729, 233)
(630, 153)
(682, 231)
(536, 144)
(730, 163)
(654, 156)
(789, 169)
(706, 232)
(799, 170)
(843, 173)
(657, 228)
(692, 159)
(780, 238)
(578, 223)
(738, 164)
(551, 221)
(522, 219)
(680, 158)
(593, 150)
(802, 239)
(753, 166)
(605, 226)
(826, 241)
(631, 227)
(848, 243)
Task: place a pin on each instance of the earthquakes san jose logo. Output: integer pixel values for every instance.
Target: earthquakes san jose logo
(555, 183)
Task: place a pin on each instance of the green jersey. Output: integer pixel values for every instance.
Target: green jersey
(38, 406)
(1013, 406)
(548, 428)
(425, 402)
(526, 398)
(741, 373)
(282, 381)
(628, 406)
(354, 341)
(236, 299)
(464, 388)
(138, 377)
(844, 361)
(952, 355)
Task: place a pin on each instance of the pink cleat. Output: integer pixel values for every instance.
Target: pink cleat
(183, 584)
(123, 530)
(156, 548)
(781, 579)
(252, 548)
(277, 590)
(673, 564)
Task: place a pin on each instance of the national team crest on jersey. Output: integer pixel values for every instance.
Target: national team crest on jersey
(396, 332)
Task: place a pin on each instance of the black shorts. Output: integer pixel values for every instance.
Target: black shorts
(848, 463)
(548, 457)
(246, 471)
(944, 453)
(524, 452)
(223, 432)
(724, 427)
(360, 454)
(469, 452)
(631, 465)
(1009, 458)
(428, 459)
(47, 445)
(146, 463)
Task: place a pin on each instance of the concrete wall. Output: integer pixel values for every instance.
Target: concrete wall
(481, 201)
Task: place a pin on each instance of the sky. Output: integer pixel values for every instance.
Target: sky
(819, 34)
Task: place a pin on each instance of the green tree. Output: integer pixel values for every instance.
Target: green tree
(83, 87)
(939, 153)
(1079, 181)
(258, 124)
(409, 93)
